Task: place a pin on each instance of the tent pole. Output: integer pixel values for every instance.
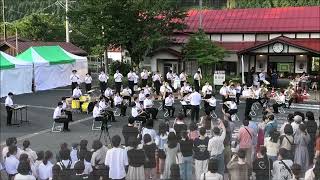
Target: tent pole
(242, 69)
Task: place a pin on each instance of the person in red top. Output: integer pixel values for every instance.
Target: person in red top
(317, 149)
(245, 138)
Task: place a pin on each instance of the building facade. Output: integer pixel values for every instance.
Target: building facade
(283, 39)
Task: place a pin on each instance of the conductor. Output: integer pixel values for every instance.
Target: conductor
(9, 107)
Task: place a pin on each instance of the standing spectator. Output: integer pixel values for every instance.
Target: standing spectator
(281, 167)
(289, 121)
(260, 138)
(56, 173)
(216, 146)
(83, 147)
(186, 146)
(136, 160)
(161, 141)
(74, 153)
(201, 154)
(11, 162)
(297, 120)
(271, 125)
(116, 159)
(317, 148)
(39, 160)
(301, 155)
(312, 131)
(212, 173)
(24, 172)
(85, 158)
(296, 172)
(98, 158)
(45, 168)
(245, 139)
(272, 144)
(262, 165)
(238, 166)
(149, 148)
(193, 131)
(175, 172)
(79, 168)
(286, 140)
(149, 130)
(314, 172)
(171, 149)
(179, 126)
(65, 164)
(230, 126)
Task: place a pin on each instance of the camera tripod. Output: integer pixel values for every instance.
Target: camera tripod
(105, 132)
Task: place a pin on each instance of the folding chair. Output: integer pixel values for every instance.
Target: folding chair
(56, 128)
(94, 127)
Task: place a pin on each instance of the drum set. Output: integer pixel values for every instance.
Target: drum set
(85, 103)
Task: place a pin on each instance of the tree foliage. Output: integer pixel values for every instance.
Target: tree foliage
(201, 48)
(139, 26)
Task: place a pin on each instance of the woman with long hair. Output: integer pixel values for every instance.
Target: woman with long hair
(301, 141)
(171, 149)
(136, 160)
(186, 146)
(11, 162)
(161, 141)
(312, 131)
(272, 144)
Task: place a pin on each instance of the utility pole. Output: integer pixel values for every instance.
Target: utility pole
(105, 51)
(67, 22)
(200, 14)
(4, 22)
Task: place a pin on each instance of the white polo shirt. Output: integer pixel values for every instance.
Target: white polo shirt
(195, 99)
(96, 112)
(232, 93)
(136, 78)
(169, 76)
(8, 102)
(103, 77)
(196, 77)
(232, 105)
(117, 77)
(156, 77)
(134, 112)
(102, 105)
(57, 113)
(207, 89)
(141, 97)
(169, 101)
(144, 75)
(117, 100)
(147, 103)
(108, 92)
(117, 159)
(183, 77)
(212, 102)
(126, 92)
(88, 79)
(45, 171)
(262, 76)
(76, 93)
(130, 76)
(223, 91)
(74, 78)
(11, 164)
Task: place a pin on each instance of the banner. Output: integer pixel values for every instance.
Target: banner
(219, 77)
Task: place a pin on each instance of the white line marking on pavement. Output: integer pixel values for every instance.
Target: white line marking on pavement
(45, 131)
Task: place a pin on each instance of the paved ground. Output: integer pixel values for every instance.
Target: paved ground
(40, 110)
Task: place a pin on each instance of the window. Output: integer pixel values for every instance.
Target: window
(315, 64)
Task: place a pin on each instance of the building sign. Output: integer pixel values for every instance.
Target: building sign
(219, 77)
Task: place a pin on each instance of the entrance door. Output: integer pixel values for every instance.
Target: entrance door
(170, 66)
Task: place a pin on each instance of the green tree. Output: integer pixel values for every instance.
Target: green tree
(201, 48)
(139, 26)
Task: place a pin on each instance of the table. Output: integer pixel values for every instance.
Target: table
(19, 109)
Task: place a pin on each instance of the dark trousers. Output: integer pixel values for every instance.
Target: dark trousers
(99, 118)
(69, 115)
(157, 85)
(123, 109)
(73, 85)
(144, 82)
(275, 107)
(88, 87)
(9, 115)
(195, 113)
(171, 110)
(65, 122)
(131, 86)
(196, 85)
(249, 103)
(118, 86)
(153, 112)
(209, 109)
(206, 104)
(232, 111)
(290, 102)
(185, 108)
(103, 86)
(238, 98)
(181, 84)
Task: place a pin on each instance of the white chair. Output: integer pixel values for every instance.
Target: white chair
(234, 117)
(255, 106)
(160, 107)
(281, 110)
(213, 114)
(56, 128)
(94, 127)
(116, 111)
(166, 113)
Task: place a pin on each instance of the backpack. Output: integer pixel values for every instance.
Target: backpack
(66, 172)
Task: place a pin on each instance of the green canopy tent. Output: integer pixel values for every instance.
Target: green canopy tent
(15, 75)
(53, 66)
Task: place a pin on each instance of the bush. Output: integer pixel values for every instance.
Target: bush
(123, 68)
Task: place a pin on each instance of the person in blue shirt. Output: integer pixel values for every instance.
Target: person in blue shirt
(271, 125)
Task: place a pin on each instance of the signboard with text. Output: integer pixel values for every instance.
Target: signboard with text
(219, 77)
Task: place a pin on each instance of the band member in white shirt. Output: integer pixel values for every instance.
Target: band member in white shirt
(66, 109)
(144, 77)
(156, 78)
(103, 78)
(147, 90)
(9, 107)
(223, 91)
(77, 93)
(196, 80)
(186, 103)
(141, 96)
(230, 107)
(248, 94)
(74, 78)
(262, 77)
(131, 77)
(103, 105)
(165, 89)
(231, 92)
(108, 93)
(280, 101)
(238, 92)
(148, 106)
(185, 89)
(126, 94)
(183, 78)
(118, 102)
(88, 81)
(97, 115)
(169, 78)
(195, 101)
(212, 103)
(137, 113)
(59, 118)
(169, 104)
(207, 93)
(118, 81)
(135, 81)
